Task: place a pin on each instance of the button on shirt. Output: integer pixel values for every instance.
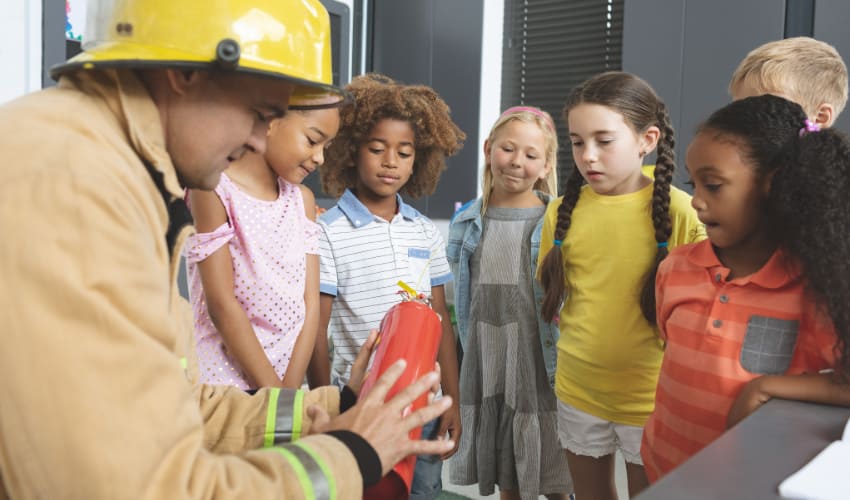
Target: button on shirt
(362, 258)
(719, 335)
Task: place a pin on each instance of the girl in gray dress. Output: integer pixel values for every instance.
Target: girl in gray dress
(508, 408)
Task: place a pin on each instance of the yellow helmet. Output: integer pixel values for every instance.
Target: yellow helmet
(288, 39)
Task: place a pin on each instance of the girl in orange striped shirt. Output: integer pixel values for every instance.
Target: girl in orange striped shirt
(762, 308)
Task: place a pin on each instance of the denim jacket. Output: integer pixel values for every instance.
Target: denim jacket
(464, 235)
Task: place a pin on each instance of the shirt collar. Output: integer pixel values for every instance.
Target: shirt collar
(779, 270)
(359, 215)
(472, 211)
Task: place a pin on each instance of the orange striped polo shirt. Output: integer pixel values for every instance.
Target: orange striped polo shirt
(719, 335)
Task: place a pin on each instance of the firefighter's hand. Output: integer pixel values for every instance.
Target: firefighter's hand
(386, 425)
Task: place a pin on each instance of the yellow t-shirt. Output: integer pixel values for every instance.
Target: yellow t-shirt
(608, 354)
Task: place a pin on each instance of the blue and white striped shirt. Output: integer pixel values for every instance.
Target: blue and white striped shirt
(362, 258)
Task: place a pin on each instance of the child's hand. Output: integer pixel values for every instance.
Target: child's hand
(450, 425)
(361, 363)
(435, 389)
(749, 400)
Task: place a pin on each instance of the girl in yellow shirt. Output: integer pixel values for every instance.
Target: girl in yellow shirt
(603, 241)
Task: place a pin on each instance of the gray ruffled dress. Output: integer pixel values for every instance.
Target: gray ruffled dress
(508, 410)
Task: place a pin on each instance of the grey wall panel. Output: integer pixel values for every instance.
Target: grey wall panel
(695, 45)
(718, 35)
(403, 39)
(653, 48)
(53, 38)
(456, 76)
(437, 43)
(831, 20)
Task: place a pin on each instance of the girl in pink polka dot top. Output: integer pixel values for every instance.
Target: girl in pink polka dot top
(253, 265)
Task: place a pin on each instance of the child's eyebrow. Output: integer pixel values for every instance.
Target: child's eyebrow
(707, 169)
(385, 142)
(595, 132)
(318, 131)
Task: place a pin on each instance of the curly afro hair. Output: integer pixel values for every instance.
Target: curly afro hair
(378, 97)
(807, 204)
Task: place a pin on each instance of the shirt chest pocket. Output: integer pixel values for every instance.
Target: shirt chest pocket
(769, 345)
(418, 264)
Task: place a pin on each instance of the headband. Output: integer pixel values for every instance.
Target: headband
(532, 110)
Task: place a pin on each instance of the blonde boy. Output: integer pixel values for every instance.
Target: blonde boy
(801, 69)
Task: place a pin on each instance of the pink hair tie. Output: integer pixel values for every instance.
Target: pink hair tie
(809, 128)
(532, 110)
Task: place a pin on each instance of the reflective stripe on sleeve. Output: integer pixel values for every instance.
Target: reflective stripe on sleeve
(283, 416)
(306, 472)
(329, 479)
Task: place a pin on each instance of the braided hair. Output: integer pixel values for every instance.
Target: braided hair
(806, 208)
(641, 109)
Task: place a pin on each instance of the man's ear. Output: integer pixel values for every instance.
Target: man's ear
(825, 115)
(183, 81)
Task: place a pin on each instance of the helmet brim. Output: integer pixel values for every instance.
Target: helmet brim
(131, 56)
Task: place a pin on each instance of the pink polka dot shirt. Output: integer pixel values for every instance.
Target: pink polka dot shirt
(268, 242)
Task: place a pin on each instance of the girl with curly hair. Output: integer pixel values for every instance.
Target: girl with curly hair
(762, 308)
(394, 139)
(603, 241)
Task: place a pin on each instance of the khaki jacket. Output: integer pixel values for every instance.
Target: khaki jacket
(94, 402)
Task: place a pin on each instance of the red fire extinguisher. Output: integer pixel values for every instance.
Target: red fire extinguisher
(411, 331)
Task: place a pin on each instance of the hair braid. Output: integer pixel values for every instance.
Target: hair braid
(552, 269)
(664, 167)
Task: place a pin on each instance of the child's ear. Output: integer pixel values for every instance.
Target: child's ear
(765, 183)
(825, 116)
(272, 127)
(546, 170)
(487, 151)
(649, 139)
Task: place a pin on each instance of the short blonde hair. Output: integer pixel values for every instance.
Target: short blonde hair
(543, 120)
(806, 71)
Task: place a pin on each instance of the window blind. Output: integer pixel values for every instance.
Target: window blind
(552, 45)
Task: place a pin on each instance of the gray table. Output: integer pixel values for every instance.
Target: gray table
(751, 459)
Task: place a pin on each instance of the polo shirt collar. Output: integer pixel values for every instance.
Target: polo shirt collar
(779, 270)
(359, 215)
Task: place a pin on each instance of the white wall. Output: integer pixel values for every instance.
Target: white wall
(491, 75)
(20, 48)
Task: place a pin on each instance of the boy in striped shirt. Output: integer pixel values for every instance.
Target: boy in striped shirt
(395, 139)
